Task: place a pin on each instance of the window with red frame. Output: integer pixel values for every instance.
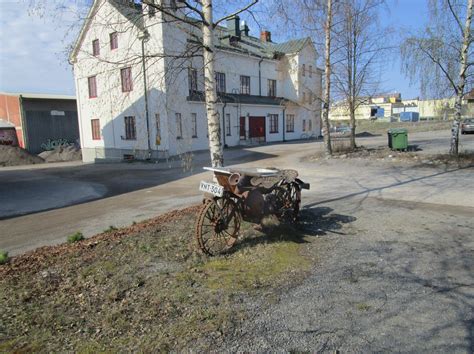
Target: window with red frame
(126, 75)
(95, 47)
(113, 40)
(95, 127)
(92, 86)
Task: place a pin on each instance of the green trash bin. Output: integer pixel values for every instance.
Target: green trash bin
(398, 139)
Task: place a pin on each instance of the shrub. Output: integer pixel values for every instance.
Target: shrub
(3, 257)
(78, 236)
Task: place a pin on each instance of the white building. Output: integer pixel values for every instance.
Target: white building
(267, 91)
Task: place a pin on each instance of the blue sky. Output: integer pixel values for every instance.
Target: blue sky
(33, 59)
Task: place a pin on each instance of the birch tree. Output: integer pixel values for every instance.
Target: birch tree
(440, 56)
(361, 46)
(196, 19)
(314, 18)
(327, 78)
(203, 11)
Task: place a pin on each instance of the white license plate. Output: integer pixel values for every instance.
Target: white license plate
(212, 188)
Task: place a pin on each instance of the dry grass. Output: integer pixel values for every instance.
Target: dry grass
(144, 288)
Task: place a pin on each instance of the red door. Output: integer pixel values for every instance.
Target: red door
(242, 128)
(257, 127)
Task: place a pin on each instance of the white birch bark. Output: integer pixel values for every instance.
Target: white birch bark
(462, 79)
(213, 122)
(327, 73)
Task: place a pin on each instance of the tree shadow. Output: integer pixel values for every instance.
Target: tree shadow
(313, 222)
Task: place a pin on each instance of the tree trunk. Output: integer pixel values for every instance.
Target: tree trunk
(213, 122)
(353, 125)
(327, 90)
(353, 89)
(462, 80)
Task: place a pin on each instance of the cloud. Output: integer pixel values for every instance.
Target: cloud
(33, 46)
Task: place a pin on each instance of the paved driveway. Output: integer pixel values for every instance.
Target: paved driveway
(90, 198)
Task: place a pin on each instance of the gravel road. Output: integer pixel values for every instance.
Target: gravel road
(398, 277)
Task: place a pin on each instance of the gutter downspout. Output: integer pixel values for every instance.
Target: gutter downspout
(260, 76)
(223, 123)
(284, 128)
(145, 37)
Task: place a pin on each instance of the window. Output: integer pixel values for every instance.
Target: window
(158, 129)
(126, 75)
(227, 124)
(220, 82)
(310, 71)
(304, 97)
(95, 47)
(92, 83)
(304, 125)
(193, 80)
(130, 128)
(113, 40)
(290, 123)
(304, 70)
(272, 88)
(273, 123)
(310, 97)
(310, 125)
(245, 85)
(95, 127)
(179, 126)
(194, 124)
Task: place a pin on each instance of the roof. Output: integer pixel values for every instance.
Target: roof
(254, 46)
(4, 124)
(44, 96)
(248, 45)
(243, 99)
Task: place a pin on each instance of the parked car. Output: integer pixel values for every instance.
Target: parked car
(467, 126)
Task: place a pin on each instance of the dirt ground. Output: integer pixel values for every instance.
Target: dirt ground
(145, 288)
(16, 156)
(360, 273)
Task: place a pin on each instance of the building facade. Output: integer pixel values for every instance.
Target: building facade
(389, 108)
(39, 118)
(139, 83)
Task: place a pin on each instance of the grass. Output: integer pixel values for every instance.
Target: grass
(112, 228)
(3, 257)
(76, 237)
(144, 289)
(363, 307)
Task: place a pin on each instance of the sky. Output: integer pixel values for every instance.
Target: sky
(33, 45)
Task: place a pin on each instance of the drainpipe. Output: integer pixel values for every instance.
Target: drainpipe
(260, 76)
(223, 122)
(284, 128)
(144, 37)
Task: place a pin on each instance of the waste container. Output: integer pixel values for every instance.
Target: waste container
(398, 139)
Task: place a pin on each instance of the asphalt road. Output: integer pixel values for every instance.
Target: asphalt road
(90, 198)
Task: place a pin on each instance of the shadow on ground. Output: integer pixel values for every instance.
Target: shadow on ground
(313, 222)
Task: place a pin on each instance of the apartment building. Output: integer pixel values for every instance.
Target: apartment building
(139, 83)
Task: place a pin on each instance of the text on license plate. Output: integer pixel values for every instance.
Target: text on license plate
(212, 188)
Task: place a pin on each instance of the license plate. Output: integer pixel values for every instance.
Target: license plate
(212, 188)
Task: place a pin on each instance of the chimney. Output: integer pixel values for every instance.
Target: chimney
(233, 26)
(266, 36)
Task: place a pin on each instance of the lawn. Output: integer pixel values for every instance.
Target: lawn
(144, 287)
